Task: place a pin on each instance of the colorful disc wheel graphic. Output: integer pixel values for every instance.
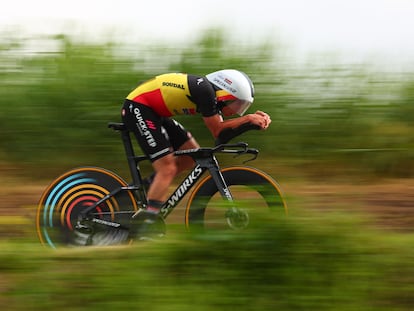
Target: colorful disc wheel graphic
(74, 191)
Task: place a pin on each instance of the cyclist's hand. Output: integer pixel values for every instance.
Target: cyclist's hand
(261, 118)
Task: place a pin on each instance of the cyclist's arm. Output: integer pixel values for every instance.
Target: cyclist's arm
(216, 124)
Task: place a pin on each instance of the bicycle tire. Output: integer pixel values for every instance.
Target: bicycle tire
(205, 197)
(69, 194)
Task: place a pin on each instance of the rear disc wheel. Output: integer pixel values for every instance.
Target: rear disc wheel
(63, 201)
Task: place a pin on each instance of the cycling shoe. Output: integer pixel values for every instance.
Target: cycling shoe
(146, 225)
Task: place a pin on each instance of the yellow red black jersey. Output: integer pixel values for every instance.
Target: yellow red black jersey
(177, 94)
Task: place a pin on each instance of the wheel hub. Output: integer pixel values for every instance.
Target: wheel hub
(237, 219)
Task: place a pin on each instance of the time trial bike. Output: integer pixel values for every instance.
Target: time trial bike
(94, 206)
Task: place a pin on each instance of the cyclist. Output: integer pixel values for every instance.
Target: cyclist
(148, 108)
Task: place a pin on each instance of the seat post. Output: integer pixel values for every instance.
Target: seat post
(130, 154)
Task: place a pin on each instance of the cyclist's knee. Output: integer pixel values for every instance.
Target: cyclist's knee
(190, 144)
(166, 166)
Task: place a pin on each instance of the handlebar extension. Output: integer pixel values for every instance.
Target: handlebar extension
(229, 133)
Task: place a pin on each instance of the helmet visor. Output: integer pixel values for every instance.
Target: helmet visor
(239, 106)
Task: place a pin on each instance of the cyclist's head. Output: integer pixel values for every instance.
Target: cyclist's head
(234, 90)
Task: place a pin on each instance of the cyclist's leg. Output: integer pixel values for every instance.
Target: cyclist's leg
(186, 162)
(155, 143)
(181, 139)
(165, 169)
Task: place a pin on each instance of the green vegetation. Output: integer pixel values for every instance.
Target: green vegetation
(286, 264)
(56, 101)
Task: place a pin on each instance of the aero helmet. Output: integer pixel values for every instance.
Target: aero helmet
(236, 88)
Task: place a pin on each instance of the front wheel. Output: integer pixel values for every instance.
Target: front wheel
(66, 197)
(254, 192)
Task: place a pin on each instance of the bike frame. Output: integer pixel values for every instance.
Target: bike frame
(205, 161)
(203, 165)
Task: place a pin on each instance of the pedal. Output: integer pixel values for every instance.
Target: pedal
(147, 226)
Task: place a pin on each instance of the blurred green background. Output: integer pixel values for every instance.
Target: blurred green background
(57, 99)
(332, 121)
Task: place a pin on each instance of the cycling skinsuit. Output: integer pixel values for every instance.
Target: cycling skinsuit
(147, 109)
